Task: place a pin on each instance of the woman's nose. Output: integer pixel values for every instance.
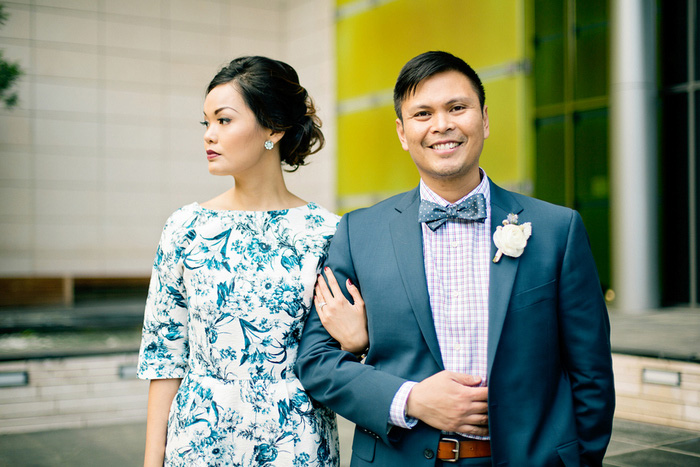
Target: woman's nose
(209, 135)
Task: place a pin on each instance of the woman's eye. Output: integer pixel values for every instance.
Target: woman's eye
(204, 124)
(224, 121)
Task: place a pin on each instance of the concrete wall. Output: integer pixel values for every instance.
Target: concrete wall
(72, 393)
(650, 402)
(106, 140)
(76, 392)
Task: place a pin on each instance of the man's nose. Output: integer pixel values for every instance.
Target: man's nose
(442, 122)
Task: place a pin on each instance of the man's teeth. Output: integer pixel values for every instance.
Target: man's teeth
(443, 146)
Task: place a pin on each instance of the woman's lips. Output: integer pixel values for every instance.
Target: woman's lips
(212, 154)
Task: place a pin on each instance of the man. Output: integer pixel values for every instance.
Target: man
(490, 354)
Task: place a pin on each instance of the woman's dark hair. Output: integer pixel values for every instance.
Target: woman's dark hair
(426, 65)
(272, 91)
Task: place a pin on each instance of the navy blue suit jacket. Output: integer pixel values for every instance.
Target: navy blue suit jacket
(550, 383)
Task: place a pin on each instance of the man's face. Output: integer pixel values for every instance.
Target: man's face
(444, 129)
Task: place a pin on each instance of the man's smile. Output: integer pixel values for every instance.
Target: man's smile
(445, 145)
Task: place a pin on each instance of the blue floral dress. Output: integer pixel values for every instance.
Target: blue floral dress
(229, 295)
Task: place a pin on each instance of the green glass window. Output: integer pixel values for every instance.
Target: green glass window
(570, 71)
(549, 164)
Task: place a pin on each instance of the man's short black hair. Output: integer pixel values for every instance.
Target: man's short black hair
(426, 65)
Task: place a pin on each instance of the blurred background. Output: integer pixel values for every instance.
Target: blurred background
(592, 105)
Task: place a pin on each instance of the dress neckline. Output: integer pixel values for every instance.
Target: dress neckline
(235, 211)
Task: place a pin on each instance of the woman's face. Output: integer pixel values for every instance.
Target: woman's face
(233, 140)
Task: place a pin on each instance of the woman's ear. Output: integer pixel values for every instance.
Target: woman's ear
(275, 136)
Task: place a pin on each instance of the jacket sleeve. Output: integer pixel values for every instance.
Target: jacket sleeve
(585, 336)
(357, 391)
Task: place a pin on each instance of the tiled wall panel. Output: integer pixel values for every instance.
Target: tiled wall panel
(72, 392)
(106, 141)
(661, 404)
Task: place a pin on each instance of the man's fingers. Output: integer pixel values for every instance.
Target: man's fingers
(481, 419)
(466, 380)
(479, 394)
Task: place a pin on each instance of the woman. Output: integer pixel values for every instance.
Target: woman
(232, 284)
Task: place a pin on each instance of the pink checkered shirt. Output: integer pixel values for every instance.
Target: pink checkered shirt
(456, 258)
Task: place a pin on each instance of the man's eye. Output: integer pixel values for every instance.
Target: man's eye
(422, 113)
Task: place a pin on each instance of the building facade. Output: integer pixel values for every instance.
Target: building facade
(592, 105)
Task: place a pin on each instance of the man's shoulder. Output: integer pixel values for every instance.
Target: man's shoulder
(530, 202)
(531, 206)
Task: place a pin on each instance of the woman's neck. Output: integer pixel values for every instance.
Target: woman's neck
(266, 194)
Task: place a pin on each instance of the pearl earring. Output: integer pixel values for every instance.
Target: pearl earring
(269, 145)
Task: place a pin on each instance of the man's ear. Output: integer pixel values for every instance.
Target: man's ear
(485, 118)
(402, 135)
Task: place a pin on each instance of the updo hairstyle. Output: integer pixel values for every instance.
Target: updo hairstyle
(272, 91)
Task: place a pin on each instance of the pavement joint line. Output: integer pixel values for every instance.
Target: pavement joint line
(651, 445)
(678, 451)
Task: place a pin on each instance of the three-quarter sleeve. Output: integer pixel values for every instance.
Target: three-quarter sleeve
(164, 349)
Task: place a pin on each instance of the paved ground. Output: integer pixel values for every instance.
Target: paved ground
(633, 445)
(671, 333)
(108, 446)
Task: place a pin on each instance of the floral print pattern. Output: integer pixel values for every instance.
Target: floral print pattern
(229, 295)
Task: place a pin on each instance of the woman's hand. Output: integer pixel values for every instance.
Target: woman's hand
(345, 321)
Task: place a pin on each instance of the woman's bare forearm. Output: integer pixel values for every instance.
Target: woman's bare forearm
(160, 396)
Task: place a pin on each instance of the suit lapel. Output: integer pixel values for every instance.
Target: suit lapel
(407, 239)
(501, 274)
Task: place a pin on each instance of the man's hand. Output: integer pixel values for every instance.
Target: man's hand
(451, 401)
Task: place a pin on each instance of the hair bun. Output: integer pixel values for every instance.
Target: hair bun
(272, 91)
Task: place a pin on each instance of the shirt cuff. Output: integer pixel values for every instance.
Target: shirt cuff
(397, 411)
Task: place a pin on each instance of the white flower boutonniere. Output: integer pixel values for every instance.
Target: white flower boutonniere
(511, 237)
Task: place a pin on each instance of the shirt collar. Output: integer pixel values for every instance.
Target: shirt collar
(483, 187)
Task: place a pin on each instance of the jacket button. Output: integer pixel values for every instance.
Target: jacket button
(428, 453)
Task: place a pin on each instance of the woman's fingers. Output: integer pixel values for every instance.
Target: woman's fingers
(355, 294)
(323, 287)
(344, 320)
(332, 283)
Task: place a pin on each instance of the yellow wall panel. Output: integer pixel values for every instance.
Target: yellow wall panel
(375, 40)
(498, 157)
(370, 157)
(374, 45)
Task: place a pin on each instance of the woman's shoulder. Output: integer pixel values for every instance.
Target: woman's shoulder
(181, 223)
(317, 209)
(318, 216)
(183, 216)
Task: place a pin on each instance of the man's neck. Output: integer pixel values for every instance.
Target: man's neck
(451, 191)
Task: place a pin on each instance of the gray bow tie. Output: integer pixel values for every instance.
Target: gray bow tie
(434, 215)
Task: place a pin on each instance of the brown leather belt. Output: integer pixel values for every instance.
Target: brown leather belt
(451, 450)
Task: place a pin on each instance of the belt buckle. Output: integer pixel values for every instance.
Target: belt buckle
(455, 450)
